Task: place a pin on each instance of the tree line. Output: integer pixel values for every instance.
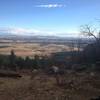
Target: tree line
(14, 62)
(89, 54)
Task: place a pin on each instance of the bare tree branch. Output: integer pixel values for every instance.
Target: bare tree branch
(88, 31)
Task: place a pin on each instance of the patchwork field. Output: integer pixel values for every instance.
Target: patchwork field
(75, 85)
(31, 49)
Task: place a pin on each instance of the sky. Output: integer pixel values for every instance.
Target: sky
(47, 17)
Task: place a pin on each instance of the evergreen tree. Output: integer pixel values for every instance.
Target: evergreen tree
(12, 59)
(36, 62)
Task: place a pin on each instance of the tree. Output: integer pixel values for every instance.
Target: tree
(28, 63)
(12, 59)
(20, 62)
(92, 50)
(36, 62)
(90, 31)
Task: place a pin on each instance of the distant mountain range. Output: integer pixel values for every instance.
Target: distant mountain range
(42, 38)
(7, 35)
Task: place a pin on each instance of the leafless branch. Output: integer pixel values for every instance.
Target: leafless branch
(88, 30)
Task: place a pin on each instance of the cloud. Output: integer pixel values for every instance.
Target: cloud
(27, 32)
(34, 32)
(51, 6)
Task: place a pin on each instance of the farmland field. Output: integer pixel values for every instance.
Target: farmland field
(31, 49)
(82, 85)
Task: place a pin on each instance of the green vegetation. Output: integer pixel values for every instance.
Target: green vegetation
(12, 62)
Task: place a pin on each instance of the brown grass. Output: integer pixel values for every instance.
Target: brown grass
(44, 87)
(31, 49)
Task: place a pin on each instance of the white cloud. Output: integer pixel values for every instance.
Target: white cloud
(27, 32)
(34, 32)
(51, 6)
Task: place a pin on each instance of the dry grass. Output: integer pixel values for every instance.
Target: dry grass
(31, 49)
(44, 87)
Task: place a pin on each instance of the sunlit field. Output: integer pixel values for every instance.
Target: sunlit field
(31, 49)
(49, 49)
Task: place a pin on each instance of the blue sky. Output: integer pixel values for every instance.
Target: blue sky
(57, 17)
